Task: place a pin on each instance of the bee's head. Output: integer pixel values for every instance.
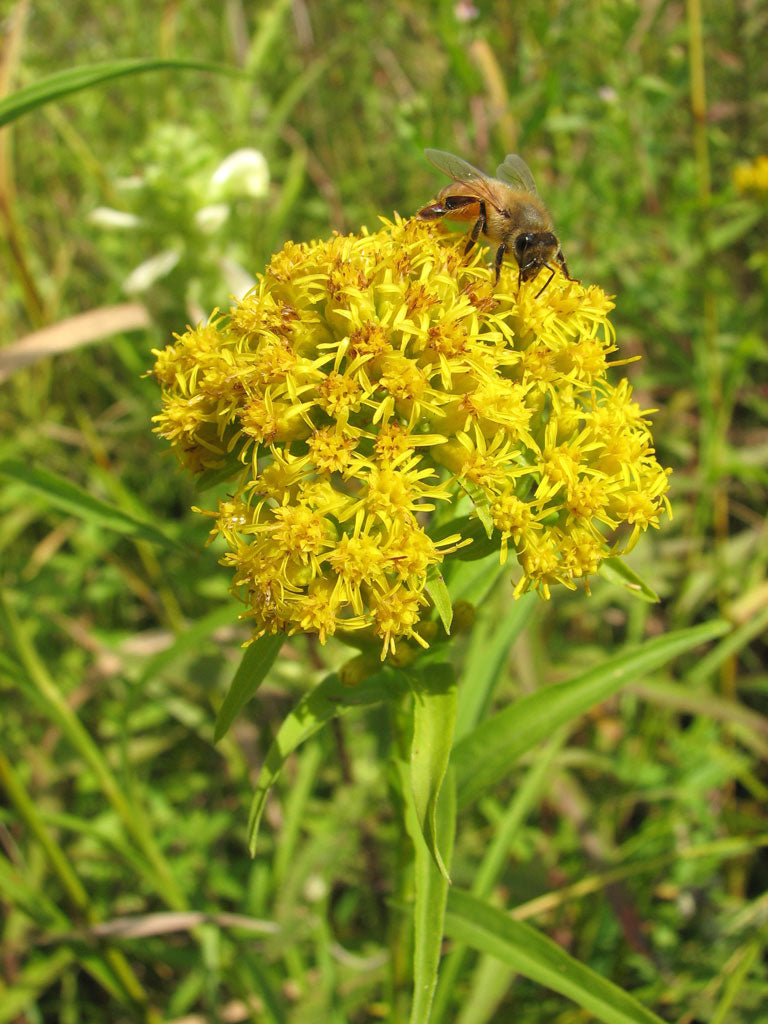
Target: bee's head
(533, 250)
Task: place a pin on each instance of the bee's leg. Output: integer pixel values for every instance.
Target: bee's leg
(479, 225)
(444, 207)
(551, 275)
(564, 266)
(497, 262)
(432, 212)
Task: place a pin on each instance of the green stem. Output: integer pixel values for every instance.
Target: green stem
(716, 420)
(400, 937)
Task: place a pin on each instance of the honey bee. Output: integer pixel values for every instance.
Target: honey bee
(506, 209)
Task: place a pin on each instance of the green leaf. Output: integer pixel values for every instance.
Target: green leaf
(434, 720)
(495, 861)
(325, 702)
(441, 599)
(470, 528)
(615, 570)
(63, 83)
(739, 966)
(32, 979)
(744, 634)
(430, 894)
(72, 499)
(481, 503)
(230, 471)
(487, 655)
(737, 224)
(489, 751)
(537, 957)
(473, 581)
(258, 659)
(41, 686)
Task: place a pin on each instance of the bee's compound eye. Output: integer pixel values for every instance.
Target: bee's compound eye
(522, 242)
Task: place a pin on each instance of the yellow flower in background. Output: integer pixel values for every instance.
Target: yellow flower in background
(370, 383)
(752, 176)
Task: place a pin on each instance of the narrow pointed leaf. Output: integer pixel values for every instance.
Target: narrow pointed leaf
(434, 721)
(488, 653)
(487, 753)
(616, 571)
(430, 894)
(481, 503)
(441, 599)
(325, 702)
(537, 957)
(256, 662)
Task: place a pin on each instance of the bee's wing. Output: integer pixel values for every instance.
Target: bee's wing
(464, 173)
(454, 166)
(516, 172)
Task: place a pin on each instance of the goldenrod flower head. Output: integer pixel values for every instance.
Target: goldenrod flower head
(365, 384)
(752, 176)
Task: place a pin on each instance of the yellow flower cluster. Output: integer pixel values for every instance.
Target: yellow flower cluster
(365, 384)
(753, 176)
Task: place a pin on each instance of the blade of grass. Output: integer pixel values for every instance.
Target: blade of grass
(295, 809)
(292, 95)
(489, 983)
(728, 648)
(190, 641)
(70, 80)
(11, 219)
(113, 960)
(72, 499)
(736, 978)
(29, 898)
(161, 877)
(734, 846)
(31, 982)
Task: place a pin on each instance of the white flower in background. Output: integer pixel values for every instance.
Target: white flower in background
(243, 173)
(151, 270)
(130, 183)
(237, 278)
(465, 11)
(210, 218)
(106, 217)
(315, 889)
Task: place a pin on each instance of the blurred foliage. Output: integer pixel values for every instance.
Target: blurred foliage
(341, 98)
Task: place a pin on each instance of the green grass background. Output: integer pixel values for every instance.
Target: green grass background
(117, 652)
